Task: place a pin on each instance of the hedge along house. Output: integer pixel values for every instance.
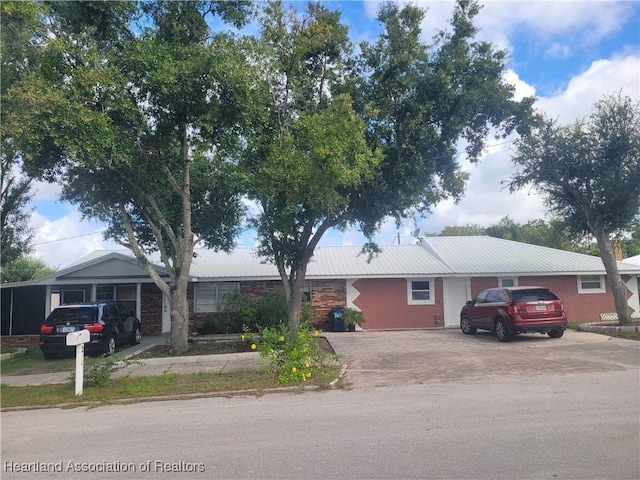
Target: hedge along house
(405, 286)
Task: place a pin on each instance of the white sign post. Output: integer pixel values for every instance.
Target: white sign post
(78, 339)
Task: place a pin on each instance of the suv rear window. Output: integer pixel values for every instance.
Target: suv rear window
(537, 295)
(73, 315)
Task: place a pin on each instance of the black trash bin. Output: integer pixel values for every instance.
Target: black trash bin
(337, 315)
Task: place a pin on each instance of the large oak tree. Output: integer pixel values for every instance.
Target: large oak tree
(133, 110)
(352, 139)
(590, 174)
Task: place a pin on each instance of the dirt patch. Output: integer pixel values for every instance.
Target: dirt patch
(214, 347)
(203, 347)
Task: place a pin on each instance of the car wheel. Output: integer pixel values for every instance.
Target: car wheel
(555, 333)
(502, 332)
(110, 347)
(466, 327)
(136, 335)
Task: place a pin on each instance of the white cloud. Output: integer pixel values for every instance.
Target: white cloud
(486, 201)
(44, 191)
(522, 88)
(603, 77)
(584, 21)
(63, 241)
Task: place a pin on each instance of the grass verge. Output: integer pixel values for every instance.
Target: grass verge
(137, 388)
(34, 362)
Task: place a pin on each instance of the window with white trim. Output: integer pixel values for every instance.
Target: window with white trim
(420, 291)
(508, 282)
(210, 296)
(591, 284)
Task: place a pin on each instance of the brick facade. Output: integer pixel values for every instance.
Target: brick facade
(326, 294)
(151, 309)
(20, 340)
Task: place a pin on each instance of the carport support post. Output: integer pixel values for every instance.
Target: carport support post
(79, 368)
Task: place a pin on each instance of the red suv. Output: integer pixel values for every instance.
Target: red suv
(512, 310)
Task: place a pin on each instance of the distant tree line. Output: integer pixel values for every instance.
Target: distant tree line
(552, 234)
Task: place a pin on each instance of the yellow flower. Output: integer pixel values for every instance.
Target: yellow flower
(242, 337)
(316, 332)
(294, 369)
(304, 377)
(307, 365)
(281, 338)
(253, 346)
(309, 375)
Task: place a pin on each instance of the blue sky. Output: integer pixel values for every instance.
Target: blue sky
(569, 54)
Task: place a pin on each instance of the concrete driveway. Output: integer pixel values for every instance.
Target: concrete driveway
(377, 358)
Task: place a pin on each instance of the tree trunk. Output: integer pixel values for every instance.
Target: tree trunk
(179, 317)
(294, 292)
(618, 287)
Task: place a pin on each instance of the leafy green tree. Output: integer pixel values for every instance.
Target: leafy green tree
(352, 139)
(552, 234)
(631, 242)
(15, 195)
(419, 101)
(23, 269)
(308, 151)
(461, 231)
(136, 120)
(20, 35)
(590, 174)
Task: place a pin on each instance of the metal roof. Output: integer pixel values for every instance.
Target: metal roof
(327, 262)
(434, 256)
(477, 255)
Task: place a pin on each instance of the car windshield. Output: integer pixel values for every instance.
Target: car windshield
(73, 315)
(534, 295)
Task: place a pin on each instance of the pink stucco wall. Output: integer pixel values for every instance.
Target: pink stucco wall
(384, 305)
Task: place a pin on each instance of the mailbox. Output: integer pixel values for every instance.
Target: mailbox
(78, 338)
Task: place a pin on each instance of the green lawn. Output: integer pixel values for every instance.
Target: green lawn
(34, 362)
(137, 388)
(131, 388)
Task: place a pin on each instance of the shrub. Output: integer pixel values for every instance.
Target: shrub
(293, 360)
(243, 311)
(97, 371)
(353, 317)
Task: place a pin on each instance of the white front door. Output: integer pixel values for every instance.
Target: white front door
(456, 292)
(166, 315)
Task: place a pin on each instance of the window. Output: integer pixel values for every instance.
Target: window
(210, 296)
(508, 282)
(482, 297)
(496, 296)
(419, 292)
(591, 284)
(307, 291)
(122, 293)
(72, 296)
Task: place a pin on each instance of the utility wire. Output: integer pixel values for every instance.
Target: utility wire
(67, 238)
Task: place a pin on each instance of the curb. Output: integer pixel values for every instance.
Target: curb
(222, 357)
(8, 356)
(164, 398)
(185, 396)
(599, 327)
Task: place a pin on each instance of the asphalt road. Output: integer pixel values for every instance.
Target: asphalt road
(577, 420)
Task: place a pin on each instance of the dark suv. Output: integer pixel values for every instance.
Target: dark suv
(512, 310)
(109, 323)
